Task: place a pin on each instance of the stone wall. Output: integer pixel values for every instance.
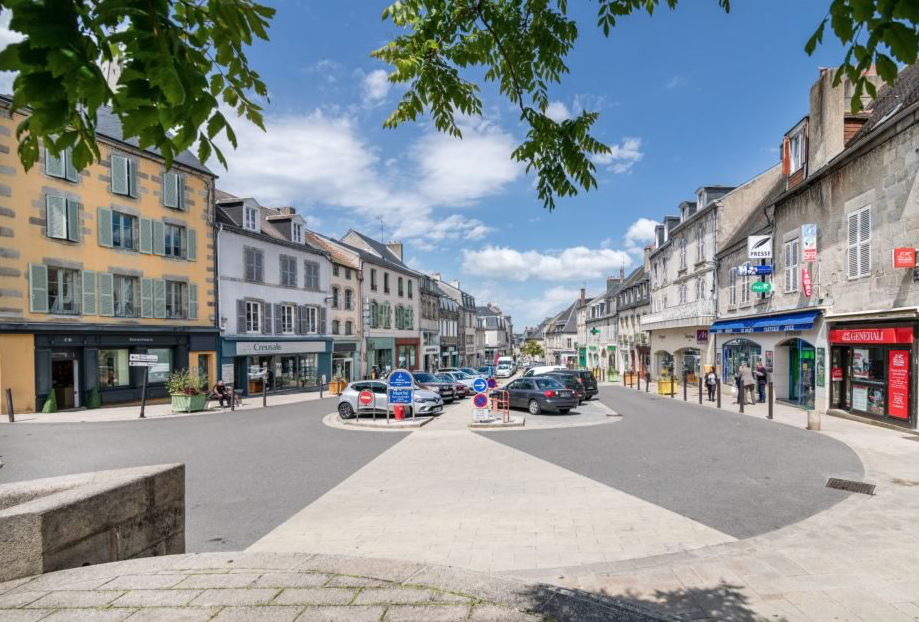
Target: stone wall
(91, 518)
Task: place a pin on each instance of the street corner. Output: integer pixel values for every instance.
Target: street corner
(380, 423)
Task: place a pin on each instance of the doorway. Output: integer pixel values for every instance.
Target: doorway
(801, 373)
(64, 383)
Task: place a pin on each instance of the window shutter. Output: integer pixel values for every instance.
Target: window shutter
(132, 177)
(322, 321)
(146, 235)
(159, 237)
(786, 157)
(192, 254)
(159, 298)
(119, 173)
(170, 190)
(192, 301)
(180, 192)
(104, 226)
(38, 288)
(259, 273)
(794, 262)
(146, 298)
(89, 292)
(55, 216)
(266, 318)
(106, 294)
(240, 316)
(54, 165)
(864, 239)
(73, 221)
(278, 323)
(70, 171)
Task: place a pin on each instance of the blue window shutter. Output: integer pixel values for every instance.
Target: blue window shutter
(106, 294)
(38, 288)
(192, 301)
(89, 292)
(104, 224)
(73, 221)
(159, 238)
(192, 244)
(159, 298)
(146, 298)
(146, 235)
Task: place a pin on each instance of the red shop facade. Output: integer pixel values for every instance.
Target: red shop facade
(872, 371)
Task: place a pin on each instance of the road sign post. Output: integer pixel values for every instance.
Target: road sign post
(400, 388)
(143, 393)
(146, 361)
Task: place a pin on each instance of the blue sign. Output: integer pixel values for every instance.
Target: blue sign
(401, 385)
(754, 270)
(479, 385)
(480, 401)
(492, 383)
(400, 396)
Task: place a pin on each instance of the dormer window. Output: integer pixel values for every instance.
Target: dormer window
(250, 218)
(297, 233)
(794, 149)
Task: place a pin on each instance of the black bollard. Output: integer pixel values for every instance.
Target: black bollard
(718, 389)
(9, 406)
(684, 386)
(771, 398)
(700, 389)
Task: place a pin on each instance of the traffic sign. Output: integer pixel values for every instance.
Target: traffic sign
(479, 385)
(480, 415)
(491, 383)
(761, 287)
(480, 400)
(145, 358)
(365, 397)
(401, 385)
(141, 363)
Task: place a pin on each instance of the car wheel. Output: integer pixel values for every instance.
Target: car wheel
(534, 407)
(345, 411)
(563, 411)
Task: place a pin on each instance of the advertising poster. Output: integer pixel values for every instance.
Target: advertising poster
(768, 362)
(809, 242)
(861, 366)
(898, 383)
(860, 398)
(821, 366)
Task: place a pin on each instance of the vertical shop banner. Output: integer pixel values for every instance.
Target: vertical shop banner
(898, 384)
(861, 364)
(821, 367)
(809, 242)
(806, 281)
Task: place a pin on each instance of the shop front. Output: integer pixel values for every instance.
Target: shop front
(871, 371)
(429, 356)
(76, 361)
(675, 352)
(407, 353)
(281, 365)
(380, 355)
(449, 357)
(346, 361)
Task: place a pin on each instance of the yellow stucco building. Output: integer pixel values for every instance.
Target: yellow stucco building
(100, 264)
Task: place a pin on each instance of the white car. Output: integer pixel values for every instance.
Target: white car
(539, 371)
(504, 371)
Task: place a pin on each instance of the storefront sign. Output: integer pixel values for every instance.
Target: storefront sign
(267, 348)
(821, 367)
(751, 270)
(871, 335)
(809, 242)
(226, 373)
(904, 258)
(701, 335)
(759, 247)
(898, 384)
(430, 349)
(806, 282)
(761, 287)
(836, 373)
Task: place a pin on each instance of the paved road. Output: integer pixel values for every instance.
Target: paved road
(739, 475)
(246, 472)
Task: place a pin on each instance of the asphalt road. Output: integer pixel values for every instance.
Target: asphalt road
(245, 472)
(737, 474)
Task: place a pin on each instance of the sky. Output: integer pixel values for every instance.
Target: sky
(686, 98)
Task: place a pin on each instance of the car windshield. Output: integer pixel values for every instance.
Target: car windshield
(467, 370)
(444, 378)
(485, 369)
(422, 377)
(549, 383)
(461, 375)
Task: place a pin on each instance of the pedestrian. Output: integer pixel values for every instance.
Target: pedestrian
(711, 381)
(221, 393)
(761, 381)
(374, 373)
(738, 382)
(749, 382)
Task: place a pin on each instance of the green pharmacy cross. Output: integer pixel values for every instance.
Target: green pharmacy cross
(594, 331)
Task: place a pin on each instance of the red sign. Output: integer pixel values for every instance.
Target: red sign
(871, 335)
(837, 373)
(480, 400)
(898, 384)
(806, 282)
(701, 335)
(904, 258)
(365, 397)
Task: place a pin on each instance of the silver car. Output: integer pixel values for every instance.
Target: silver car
(460, 377)
(426, 402)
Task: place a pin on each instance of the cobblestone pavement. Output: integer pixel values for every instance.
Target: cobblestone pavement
(220, 587)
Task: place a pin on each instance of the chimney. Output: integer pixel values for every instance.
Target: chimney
(396, 247)
(611, 282)
(435, 276)
(455, 283)
(583, 295)
(647, 259)
(622, 273)
(287, 211)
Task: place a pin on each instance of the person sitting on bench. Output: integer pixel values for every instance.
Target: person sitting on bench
(221, 393)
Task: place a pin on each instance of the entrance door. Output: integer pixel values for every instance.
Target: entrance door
(794, 372)
(63, 383)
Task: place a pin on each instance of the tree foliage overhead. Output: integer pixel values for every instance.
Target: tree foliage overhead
(178, 60)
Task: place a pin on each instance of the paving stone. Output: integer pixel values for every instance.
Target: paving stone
(89, 615)
(335, 613)
(156, 598)
(175, 614)
(19, 597)
(291, 579)
(223, 580)
(258, 614)
(230, 597)
(6, 586)
(398, 595)
(493, 613)
(346, 581)
(79, 598)
(426, 613)
(315, 596)
(23, 615)
(142, 582)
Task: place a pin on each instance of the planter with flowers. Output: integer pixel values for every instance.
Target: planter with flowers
(187, 391)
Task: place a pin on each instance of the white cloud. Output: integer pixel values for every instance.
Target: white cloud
(622, 157)
(7, 36)
(528, 311)
(675, 82)
(376, 86)
(558, 112)
(570, 264)
(640, 233)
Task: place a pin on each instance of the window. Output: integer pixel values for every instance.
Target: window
(408, 318)
(796, 148)
(334, 269)
(250, 218)
(124, 175)
(335, 292)
(700, 289)
(791, 266)
(62, 290)
(335, 325)
(62, 218)
(288, 271)
(173, 190)
(399, 287)
(386, 313)
(254, 259)
(124, 231)
(859, 235)
(409, 288)
(732, 285)
(311, 320)
(175, 240)
(400, 315)
(126, 290)
(700, 244)
(348, 274)
(682, 294)
(386, 282)
(745, 286)
(163, 366)
(373, 279)
(311, 275)
(287, 319)
(297, 232)
(175, 300)
(349, 299)
(374, 314)
(60, 166)
(349, 327)
(682, 253)
(113, 368)
(253, 317)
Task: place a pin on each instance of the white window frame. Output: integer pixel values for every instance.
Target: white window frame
(859, 244)
(797, 148)
(253, 317)
(732, 288)
(311, 317)
(682, 253)
(745, 286)
(250, 218)
(791, 251)
(297, 233)
(700, 244)
(287, 319)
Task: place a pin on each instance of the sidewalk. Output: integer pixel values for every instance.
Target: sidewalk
(157, 411)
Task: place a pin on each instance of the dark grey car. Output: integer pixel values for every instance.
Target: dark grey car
(432, 383)
(540, 394)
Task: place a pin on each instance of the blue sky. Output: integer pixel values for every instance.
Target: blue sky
(687, 98)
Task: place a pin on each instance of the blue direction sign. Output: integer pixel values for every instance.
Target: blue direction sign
(754, 270)
(480, 400)
(401, 386)
(479, 385)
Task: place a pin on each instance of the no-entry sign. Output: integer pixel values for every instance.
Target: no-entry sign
(365, 397)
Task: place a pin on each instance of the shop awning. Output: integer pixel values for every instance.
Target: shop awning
(802, 320)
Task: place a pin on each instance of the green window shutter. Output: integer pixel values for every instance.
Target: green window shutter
(54, 165)
(159, 298)
(180, 191)
(119, 173)
(38, 288)
(192, 301)
(146, 298)
(146, 235)
(170, 190)
(104, 221)
(132, 177)
(106, 294)
(192, 254)
(89, 292)
(159, 237)
(73, 221)
(56, 217)
(70, 171)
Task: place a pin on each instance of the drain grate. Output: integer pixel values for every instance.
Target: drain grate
(850, 486)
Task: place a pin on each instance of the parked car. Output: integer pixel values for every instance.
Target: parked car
(504, 370)
(571, 382)
(543, 369)
(542, 393)
(587, 379)
(444, 388)
(460, 389)
(460, 377)
(486, 371)
(425, 402)
(472, 372)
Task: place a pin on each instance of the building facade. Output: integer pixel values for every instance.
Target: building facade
(633, 302)
(601, 330)
(496, 333)
(430, 324)
(100, 264)
(561, 336)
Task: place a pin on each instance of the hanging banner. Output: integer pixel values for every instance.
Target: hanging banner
(898, 384)
(806, 282)
(809, 242)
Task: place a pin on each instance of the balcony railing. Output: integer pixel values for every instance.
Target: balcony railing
(686, 314)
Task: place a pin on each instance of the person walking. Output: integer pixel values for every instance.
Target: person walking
(738, 382)
(749, 382)
(761, 377)
(711, 382)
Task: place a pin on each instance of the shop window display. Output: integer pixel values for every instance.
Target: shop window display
(113, 368)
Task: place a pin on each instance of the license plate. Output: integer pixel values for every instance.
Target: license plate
(564, 393)
(436, 409)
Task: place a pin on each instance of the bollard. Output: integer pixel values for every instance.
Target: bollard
(740, 398)
(700, 389)
(647, 382)
(718, 389)
(672, 388)
(684, 387)
(813, 420)
(769, 389)
(623, 378)
(9, 406)
(320, 390)
(264, 393)
(232, 398)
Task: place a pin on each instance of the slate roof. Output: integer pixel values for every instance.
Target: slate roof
(567, 318)
(891, 99)
(266, 228)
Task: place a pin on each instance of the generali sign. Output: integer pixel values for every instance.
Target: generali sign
(871, 335)
(904, 258)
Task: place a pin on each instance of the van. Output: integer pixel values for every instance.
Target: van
(507, 360)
